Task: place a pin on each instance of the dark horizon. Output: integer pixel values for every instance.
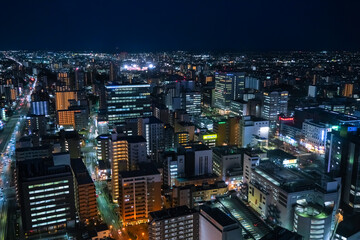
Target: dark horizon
(143, 26)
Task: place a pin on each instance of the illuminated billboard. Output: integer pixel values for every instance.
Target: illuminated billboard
(210, 136)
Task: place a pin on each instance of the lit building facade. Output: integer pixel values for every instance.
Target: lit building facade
(140, 194)
(127, 101)
(274, 103)
(179, 223)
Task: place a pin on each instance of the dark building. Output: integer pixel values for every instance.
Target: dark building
(280, 233)
(46, 196)
(178, 223)
(85, 192)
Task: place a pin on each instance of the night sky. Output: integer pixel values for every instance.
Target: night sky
(140, 25)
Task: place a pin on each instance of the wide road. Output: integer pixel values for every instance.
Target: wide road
(8, 139)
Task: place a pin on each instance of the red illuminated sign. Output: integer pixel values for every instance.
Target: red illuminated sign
(286, 118)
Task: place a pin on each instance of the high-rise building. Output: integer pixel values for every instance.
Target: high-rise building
(126, 153)
(191, 102)
(274, 103)
(46, 197)
(227, 88)
(79, 79)
(127, 101)
(85, 192)
(234, 131)
(152, 129)
(139, 194)
(174, 223)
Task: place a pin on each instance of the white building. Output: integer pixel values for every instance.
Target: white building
(274, 103)
(315, 135)
(152, 129)
(254, 131)
(216, 225)
(195, 160)
(285, 196)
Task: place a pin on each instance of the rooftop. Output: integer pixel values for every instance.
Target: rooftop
(219, 216)
(278, 153)
(171, 213)
(145, 170)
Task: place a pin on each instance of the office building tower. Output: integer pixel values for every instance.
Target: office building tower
(174, 223)
(46, 197)
(79, 79)
(227, 88)
(215, 224)
(337, 150)
(127, 101)
(85, 192)
(103, 143)
(152, 129)
(139, 194)
(191, 102)
(221, 129)
(125, 154)
(254, 132)
(351, 186)
(169, 139)
(234, 131)
(197, 160)
(111, 72)
(274, 103)
(239, 108)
